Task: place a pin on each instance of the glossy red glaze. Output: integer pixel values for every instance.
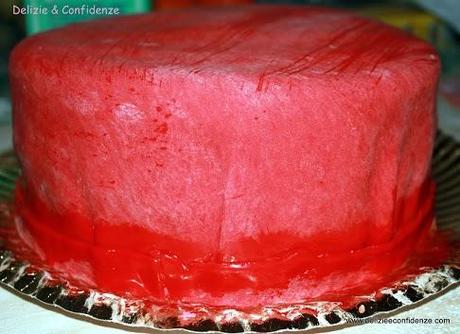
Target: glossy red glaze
(238, 157)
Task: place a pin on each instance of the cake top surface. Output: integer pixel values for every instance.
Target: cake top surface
(266, 41)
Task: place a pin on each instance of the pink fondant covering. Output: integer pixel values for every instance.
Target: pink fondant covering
(238, 156)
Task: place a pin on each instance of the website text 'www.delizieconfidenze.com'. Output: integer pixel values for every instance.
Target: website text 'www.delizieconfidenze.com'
(398, 321)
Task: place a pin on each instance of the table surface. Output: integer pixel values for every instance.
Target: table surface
(18, 316)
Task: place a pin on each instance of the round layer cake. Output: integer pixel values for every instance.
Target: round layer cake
(247, 156)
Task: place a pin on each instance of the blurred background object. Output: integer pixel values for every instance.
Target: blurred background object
(176, 4)
(173, 4)
(66, 15)
(447, 9)
(11, 32)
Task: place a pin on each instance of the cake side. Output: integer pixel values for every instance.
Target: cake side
(208, 161)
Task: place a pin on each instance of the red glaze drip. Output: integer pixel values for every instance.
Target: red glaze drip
(128, 260)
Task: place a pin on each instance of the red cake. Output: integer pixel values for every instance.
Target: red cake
(246, 156)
